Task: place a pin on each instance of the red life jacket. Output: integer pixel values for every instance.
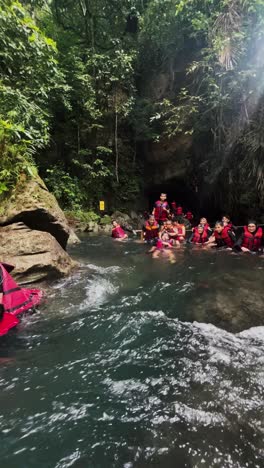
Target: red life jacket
(179, 211)
(252, 241)
(174, 206)
(8, 322)
(160, 212)
(17, 300)
(170, 231)
(180, 234)
(199, 238)
(152, 230)
(118, 232)
(223, 237)
(189, 215)
(160, 245)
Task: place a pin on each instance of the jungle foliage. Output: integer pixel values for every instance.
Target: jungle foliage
(78, 97)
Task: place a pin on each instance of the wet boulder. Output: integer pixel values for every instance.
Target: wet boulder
(36, 255)
(124, 220)
(32, 204)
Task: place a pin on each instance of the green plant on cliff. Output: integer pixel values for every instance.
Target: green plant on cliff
(29, 80)
(221, 79)
(86, 85)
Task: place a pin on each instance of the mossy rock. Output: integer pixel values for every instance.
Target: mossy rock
(105, 220)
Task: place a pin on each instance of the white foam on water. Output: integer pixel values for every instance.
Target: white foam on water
(104, 270)
(256, 333)
(69, 461)
(98, 292)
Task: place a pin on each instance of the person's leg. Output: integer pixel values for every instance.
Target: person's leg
(156, 253)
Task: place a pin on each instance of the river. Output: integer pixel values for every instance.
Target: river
(121, 367)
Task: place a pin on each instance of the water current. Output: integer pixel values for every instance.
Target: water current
(134, 362)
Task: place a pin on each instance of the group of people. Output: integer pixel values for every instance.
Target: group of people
(165, 229)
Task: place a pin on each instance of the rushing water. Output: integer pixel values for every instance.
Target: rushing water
(120, 368)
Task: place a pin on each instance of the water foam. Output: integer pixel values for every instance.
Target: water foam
(98, 292)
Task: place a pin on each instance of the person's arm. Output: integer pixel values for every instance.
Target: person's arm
(232, 235)
(174, 233)
(183, 231)
(238, 243)
(211, 238)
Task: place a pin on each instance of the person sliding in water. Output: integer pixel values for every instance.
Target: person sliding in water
(151, 231)
(199, 236)
(118, 233)
(14, 300)
(163, 247)
(223, 237)
(251, 240)
(161, 209)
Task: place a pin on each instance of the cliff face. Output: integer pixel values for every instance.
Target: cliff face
(167, 163)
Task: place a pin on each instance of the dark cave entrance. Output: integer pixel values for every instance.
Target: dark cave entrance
(176, 190)
(200, 203)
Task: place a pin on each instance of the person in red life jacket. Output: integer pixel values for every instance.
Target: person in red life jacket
(199, 235)
(173, 207)
(179, 211)
(118, 233)
(252, 239)
(180, 230)
(1, 297)
(189, 216)
(227, 221)
(206, 226)
(14, 300)
(223, 236)
(170, 230)
(161, 209)
(163, 247)
(151, 231)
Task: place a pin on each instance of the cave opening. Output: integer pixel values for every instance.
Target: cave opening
(200, 203)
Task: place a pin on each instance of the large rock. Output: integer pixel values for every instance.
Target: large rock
(36, 255)
(32, 203)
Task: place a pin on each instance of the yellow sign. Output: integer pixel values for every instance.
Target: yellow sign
(101, 205)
